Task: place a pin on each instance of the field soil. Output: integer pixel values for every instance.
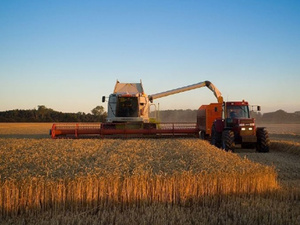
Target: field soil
(286, 132)
(287, 164)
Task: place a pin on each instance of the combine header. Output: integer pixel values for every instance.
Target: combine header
(115, 130)
(128, 115)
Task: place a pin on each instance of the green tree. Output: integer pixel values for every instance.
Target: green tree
(98, 111)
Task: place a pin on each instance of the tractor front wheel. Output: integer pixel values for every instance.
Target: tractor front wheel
(263, 141)
(228, 140)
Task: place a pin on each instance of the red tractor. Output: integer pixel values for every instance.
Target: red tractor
(228, 124)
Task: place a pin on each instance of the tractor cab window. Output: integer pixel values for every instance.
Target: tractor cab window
(237, 111)
(127, 107)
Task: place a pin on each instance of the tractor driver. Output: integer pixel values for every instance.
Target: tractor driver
(232, 114)
(236, 113)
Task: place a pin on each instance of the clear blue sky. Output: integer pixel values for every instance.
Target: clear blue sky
(67, 54)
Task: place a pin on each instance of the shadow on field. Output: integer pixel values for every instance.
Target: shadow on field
(94, 206)
(244, 150)
(25, 136)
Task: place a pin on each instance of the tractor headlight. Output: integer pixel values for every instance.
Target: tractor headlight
(243, 128)
(250, 128)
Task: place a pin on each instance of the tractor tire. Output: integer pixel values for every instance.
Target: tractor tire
(263, 141)
(216, 137)
(228, 140)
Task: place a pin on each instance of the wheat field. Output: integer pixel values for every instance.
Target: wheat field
(134, 181)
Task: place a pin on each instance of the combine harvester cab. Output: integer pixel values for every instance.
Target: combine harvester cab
(128, 115)
(128, 103)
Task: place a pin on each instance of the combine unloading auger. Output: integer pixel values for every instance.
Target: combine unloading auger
(208, 84)
(128, 115)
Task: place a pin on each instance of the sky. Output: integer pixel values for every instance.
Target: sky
(66, 55)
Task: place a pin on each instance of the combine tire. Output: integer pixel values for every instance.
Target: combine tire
(228, 140)
(263, 141)
(216, 137)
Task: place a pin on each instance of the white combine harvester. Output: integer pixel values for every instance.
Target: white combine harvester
(128, 114)
(129, 102)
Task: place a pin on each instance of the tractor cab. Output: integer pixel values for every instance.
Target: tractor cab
(235, 112)
(237, 118)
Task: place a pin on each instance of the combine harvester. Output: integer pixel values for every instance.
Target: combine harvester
(128, 116)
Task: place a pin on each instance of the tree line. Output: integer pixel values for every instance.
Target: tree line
(44, 114)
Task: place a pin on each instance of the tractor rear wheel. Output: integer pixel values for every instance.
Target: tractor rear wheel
(228, 140)
(216, 137)
(263, 141)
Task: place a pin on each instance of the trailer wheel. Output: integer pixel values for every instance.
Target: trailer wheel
(263, 141)
(228, 140)
(202, 135)
(216, 137)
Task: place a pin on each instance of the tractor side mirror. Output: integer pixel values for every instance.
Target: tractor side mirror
(258, 108)
(103, 98)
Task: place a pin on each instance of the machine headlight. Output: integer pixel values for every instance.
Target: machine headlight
(250, 128)
(243, 128)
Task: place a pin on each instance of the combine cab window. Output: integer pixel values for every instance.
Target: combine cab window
(237, 111)
(127, 107)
